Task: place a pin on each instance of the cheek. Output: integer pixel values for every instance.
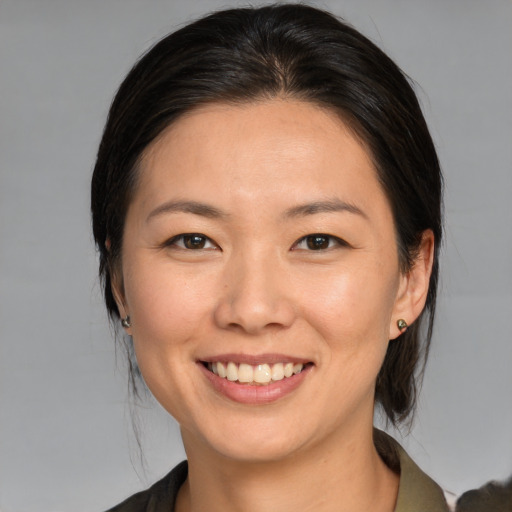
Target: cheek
(168, 309)
(159, 296)
(352, 309)
(352, 314)
(170, 315)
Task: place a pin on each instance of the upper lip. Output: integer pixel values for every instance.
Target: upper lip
(254, 359)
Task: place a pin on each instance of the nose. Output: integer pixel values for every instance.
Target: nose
(255, 298)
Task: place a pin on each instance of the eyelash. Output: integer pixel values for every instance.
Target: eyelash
(337, 242)
(187, 238)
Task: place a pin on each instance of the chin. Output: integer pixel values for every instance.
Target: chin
(258, 443)
(250, 452)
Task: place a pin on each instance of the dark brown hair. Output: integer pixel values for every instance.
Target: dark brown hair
(294, 51)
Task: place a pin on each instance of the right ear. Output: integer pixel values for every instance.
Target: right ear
(117, 288)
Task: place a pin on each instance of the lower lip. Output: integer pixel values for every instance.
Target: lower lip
(255, 395)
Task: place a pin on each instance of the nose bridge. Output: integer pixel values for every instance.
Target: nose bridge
(254, 295)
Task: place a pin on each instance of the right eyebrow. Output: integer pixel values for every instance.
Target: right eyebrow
(194, 207)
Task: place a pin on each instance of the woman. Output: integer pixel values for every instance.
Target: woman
(267, 206)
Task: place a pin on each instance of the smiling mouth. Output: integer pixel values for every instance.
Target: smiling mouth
(255, 375)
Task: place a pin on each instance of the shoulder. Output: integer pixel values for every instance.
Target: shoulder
(417, 487)
(159, 497)
(417, 492)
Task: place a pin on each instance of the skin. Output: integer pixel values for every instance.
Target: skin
(256, 288)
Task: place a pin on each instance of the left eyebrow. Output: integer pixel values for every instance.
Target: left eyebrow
(328, 206)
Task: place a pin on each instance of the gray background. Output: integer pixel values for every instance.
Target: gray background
(65, 440)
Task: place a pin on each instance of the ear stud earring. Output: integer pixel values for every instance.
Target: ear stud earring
(402, 325)
(125, 322)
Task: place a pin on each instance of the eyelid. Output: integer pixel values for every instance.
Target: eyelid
(172, 242)
(338, 241)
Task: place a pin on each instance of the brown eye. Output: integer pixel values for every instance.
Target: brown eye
(191, 241)
(318, 242)
(194, 241)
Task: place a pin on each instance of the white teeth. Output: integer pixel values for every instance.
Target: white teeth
(221, 370)
(297, 368)
(262, 374)
(232, 372)
(259, 374)
(278, 371)
(245, 373)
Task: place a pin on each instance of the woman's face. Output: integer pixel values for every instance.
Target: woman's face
(260, 242)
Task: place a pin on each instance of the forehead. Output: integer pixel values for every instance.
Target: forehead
(257, 122)
(259, 151)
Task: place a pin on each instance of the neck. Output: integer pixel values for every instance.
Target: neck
(338, 475)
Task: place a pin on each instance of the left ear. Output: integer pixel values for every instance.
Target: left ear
(414, 285)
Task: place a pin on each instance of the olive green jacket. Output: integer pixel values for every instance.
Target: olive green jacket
(417, 492)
